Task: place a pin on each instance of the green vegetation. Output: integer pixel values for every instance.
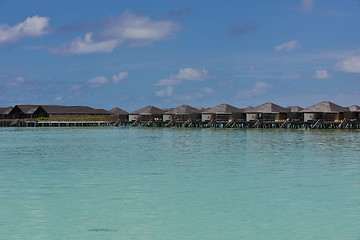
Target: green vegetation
(77, 118)
(42, 118)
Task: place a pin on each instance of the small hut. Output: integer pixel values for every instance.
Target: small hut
(267, 112)
(183, 113)
(223, 113)
(353, 114)
(294, 113)
(4, 112)
(325, 111)
(119, 114)
(149, 113)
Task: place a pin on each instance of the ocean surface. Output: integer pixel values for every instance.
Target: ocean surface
(170, 184)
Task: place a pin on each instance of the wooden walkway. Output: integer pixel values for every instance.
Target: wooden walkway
(188, 124)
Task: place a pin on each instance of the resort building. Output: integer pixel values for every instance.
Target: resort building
(223, 113)
(53, 112)
(4, 112)
(120, 115)
(325, 111)
(266, 112)
(56, 110)
(183, 113)
(149, 113)
(294, 113)
(30, 111)
(354, 113)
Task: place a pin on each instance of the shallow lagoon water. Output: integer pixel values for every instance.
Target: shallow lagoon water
(157, 183)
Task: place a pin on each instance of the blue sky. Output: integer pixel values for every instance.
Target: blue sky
(131, 54)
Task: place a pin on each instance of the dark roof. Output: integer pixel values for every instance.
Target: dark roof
(118, 111)
(354, 108)
(294, 109)
(183, 109)
(57, 109)
(148, 110)
(5, 110)
(326, 107)
(223, 109)
(28, 109)
(267, 108)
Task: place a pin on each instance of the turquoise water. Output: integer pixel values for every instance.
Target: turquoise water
(147, 183)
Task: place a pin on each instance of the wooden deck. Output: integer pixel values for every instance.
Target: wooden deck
(354, 124)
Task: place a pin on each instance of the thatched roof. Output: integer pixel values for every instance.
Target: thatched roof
(5, 110)
(294, 109)
(267, 108)
(29, 109)
(248, 109)
(118, 111)
(354, 108)
(325, 107)
(183, 109)
(148, 111)
(223, 109)
(65, 110)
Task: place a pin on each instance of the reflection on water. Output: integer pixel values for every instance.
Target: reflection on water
(146, 183)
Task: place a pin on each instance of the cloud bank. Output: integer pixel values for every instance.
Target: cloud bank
(133, 29)
(32, 27)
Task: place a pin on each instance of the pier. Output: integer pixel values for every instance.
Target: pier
(324, 115)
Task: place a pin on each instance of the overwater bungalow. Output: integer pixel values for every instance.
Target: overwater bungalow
(354, 113)
(223, 113)
(325, 111)
(4, 112)
(294, 113)
(183, 113)
(119, 114)
(267, 112)
(149, 113)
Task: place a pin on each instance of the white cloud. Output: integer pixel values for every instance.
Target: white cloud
(184, 74)
(119, 77)
(59, 99)
(17, 82)
(98, 81)
(75, 87)
(321, 74)
(84, 45)
(307, 5)
(206, 91)
(165, 92)
(32, 27)
(168, 82)
(256, 89)
(349, 64)
(135, 29)
(195, 94)
(288, 46)
(131, 26)
(191, 74)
